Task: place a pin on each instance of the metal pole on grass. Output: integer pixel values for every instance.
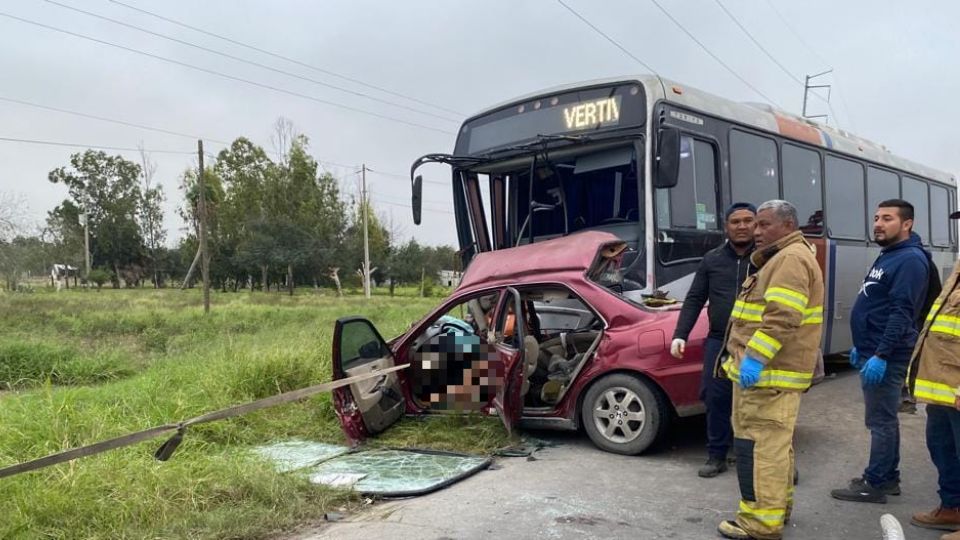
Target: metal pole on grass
(202, 210)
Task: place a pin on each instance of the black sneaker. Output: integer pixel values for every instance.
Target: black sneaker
(890, 488)
(861, 491)
(712, 467)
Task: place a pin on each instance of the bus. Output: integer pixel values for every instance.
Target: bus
(655, 162)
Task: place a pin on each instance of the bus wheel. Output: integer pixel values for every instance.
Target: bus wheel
(623, 414)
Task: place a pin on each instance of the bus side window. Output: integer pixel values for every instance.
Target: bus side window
(692, 203)
(939, 216)
(846, 209)
(687, 218)
(753, 168)
(915, 193)
(802, 185)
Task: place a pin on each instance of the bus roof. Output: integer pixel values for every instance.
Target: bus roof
(756, 115)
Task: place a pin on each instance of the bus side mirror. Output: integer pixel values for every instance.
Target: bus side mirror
(667, 171)
(417, 201)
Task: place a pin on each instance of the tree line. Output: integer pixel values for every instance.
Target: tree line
(271, 224)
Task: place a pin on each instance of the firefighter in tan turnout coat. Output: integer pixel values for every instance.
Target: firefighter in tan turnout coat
(773, 340)
(934, 379)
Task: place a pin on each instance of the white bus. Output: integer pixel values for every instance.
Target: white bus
(655, 162)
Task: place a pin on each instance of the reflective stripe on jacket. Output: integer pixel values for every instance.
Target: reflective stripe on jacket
(778, 315)
(935, 365)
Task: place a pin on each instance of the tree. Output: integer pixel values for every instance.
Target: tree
(107, 189)
(246, 174)
(190, 213)
(379, 243)
(151, 215)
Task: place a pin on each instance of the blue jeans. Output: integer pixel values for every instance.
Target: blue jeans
(717, 395)
(881, 402)
(943, 442)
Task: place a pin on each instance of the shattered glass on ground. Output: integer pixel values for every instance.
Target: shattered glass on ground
(292, 455)
(383, 472)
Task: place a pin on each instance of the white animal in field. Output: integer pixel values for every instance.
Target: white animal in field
(60, 273)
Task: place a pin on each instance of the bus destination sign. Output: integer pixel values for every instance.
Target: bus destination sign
(599, 112)
(587, 110)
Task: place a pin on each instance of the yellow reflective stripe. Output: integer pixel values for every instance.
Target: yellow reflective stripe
(787, 297)
(772, 378)
(946, 324)
(747, 311)
(764, 344)
(768, 516)
(934, 391)
(813, 315)
(933, 311)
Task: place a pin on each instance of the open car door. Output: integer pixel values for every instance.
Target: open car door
(369, 406)
(509, 347)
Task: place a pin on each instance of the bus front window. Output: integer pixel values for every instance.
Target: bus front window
(589, 191)
(599, 190)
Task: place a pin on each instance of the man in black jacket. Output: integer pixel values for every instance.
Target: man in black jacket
(718, 279)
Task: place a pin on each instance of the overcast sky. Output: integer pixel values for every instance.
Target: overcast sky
(895, 77)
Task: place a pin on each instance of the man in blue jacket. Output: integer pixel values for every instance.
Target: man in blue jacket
(883, 323)
(718, 280)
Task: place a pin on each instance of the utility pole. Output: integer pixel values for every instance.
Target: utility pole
(806, 90)
(202, 210)
(86, 241)
(366, 234)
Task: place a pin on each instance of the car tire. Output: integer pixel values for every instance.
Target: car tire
(609, 414)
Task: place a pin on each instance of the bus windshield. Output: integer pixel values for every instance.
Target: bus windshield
(585, 192)
(586, 188)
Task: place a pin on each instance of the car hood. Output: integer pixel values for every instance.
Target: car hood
(575, 253)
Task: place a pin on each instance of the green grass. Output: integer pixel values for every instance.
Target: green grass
(79, 366)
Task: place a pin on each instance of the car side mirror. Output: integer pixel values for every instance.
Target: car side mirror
(417, 200)
(667, 172)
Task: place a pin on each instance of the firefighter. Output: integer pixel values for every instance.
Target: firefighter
(934, 379)
(773, 340)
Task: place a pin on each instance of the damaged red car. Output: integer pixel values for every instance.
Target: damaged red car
(541, 335)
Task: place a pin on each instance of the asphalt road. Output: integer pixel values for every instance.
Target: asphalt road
(575, 491)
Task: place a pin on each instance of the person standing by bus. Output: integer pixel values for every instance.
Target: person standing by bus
(935, 380)
(772, 346)
(718, 278)
(884, 327)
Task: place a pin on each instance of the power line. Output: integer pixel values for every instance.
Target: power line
(769, 55)
(111, 120)
(605, 36)
(285, 58)
(224, 75)
(819, 58)
(94, 146)
(251, 62)
(410, 206)
(797, 34)
(757, 43)
(712, 55)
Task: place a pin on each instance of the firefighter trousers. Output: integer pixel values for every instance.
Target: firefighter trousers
(763, 424)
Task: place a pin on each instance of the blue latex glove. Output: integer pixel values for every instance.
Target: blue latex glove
(873, 370)
(855, 360)
(750, 372)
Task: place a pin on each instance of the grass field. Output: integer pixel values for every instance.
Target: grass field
(80, 366)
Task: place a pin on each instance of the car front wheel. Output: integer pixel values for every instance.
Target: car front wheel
(624, 414)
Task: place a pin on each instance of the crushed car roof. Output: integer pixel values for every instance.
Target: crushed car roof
(573, 253)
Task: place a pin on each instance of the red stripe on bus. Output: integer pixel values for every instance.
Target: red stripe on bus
(798, 131)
